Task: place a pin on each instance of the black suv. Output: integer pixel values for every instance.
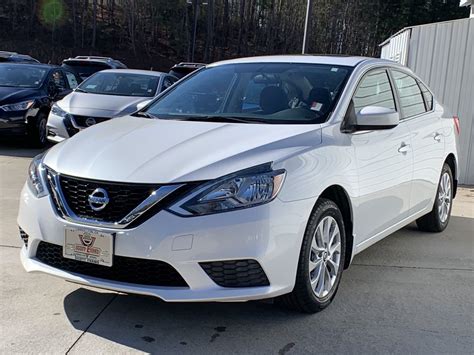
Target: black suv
(85, 66)
(27, 92)
(182, 69)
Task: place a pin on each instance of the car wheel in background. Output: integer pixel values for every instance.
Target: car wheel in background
(437, 220)
(37, 132)
(321, 260)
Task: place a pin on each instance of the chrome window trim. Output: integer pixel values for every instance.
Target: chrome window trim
(67, 214)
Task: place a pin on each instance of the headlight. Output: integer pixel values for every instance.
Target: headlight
(19, 106)
(56, 110)
(35, 176)
(247, 188)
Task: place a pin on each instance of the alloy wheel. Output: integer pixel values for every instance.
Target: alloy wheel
(444, 197)
(325, 256)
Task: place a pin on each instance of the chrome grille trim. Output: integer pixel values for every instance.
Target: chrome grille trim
(66, 212)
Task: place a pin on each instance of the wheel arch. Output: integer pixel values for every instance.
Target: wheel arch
(340, 197)
(451, 161)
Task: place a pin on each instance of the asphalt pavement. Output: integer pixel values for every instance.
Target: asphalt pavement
(410, 293)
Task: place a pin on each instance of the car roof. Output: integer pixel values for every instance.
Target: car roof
(351, 61)
(96, 59)
(36, 65)
(7, 54)
(135, 71)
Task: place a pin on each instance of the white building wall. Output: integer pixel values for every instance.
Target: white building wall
(442, 54)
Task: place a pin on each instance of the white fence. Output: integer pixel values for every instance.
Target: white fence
(442, 54)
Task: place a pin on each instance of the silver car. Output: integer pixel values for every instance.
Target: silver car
(104, 95)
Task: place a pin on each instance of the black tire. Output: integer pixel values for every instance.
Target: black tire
(37, 131)
(302, 298)
(432, 222)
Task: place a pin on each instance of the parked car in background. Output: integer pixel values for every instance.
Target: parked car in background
(105, 95)
(27, 92)
(182, 69)
(85, 66)
(16, 58)
(252, 178)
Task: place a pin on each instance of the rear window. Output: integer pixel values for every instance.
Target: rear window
(84, 69)
(122, 84)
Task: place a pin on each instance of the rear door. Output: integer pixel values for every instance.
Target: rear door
(384, 161)
(427, 137)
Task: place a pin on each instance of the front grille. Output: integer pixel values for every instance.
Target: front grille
(71, 130)
(236, 273)
(123, 269)
(123, 197)
(82, 121)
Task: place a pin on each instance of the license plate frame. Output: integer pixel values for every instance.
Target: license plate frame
(90, 246)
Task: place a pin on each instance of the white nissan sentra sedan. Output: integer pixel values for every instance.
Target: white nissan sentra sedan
(250, 179)
(104, 95)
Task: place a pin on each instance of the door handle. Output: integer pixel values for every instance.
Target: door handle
(404, 148)
(437, 137)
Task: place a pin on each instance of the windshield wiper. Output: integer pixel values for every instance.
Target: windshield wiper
(233, 119)
(81, 90)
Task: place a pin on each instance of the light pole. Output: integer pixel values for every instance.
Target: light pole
(195, 4)
(306, 26)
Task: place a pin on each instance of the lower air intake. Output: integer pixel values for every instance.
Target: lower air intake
(236, 273)
(124, 269)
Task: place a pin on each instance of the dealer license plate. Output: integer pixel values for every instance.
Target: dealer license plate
(89, 246)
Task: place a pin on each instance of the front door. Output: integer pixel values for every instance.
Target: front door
(384, 160)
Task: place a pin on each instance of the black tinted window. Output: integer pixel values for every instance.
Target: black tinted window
(411, 99)
(374, 90)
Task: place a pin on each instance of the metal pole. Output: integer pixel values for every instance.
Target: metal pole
(196, 9)
(306, 25)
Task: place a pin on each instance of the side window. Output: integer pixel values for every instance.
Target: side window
(71, 79)
(427, 95)
(374, 90)
(411, 99)
(58, 79)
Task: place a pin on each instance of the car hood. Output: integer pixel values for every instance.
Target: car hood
(133, 149)
(11, 95)
(84, 104)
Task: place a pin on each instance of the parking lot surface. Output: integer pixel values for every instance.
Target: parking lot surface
(410, 293)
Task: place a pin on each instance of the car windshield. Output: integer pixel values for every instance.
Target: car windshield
(255, 92)
(122, 84)
(21, 75)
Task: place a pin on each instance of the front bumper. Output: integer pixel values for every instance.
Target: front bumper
(270, 234)
(13, 123)
(59, 128)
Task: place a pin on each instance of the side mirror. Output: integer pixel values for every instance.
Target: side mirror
(142, 104)
(376, 118)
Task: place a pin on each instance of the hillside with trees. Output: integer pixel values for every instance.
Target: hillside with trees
(158, 33)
